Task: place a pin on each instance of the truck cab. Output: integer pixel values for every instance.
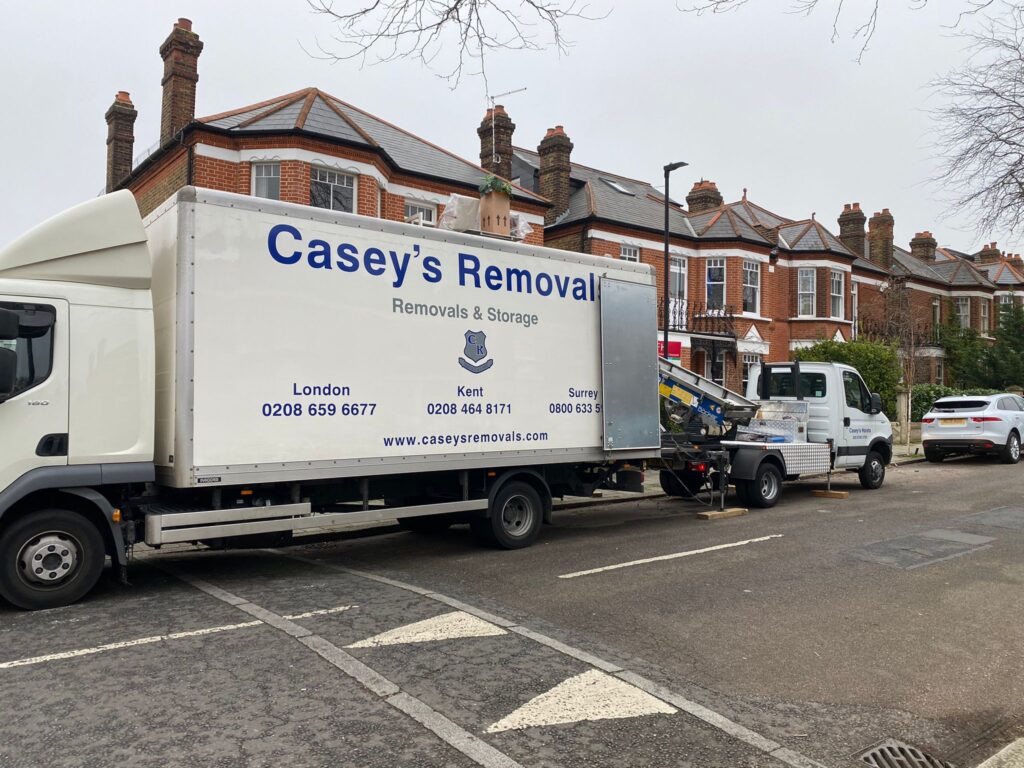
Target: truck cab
(841, 410)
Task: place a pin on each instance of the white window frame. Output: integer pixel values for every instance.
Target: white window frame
(255, 174)
(749, 360)
(940, 370)
(854, 308)
(936, 312)
(800, 292)
(630, 253)
(985, 317)
(752, 268)
(333, 174)
(710, 264)
(963, 311)
(416, 205)
(832, 295)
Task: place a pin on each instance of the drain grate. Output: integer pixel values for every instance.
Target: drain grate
(897, 754)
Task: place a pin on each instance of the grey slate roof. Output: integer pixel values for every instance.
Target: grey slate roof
(641, 205)
(952, 271)
(1001, 273)
(317, 113)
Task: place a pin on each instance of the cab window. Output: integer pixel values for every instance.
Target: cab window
(34, 345)
(857, 395)
(780, 384)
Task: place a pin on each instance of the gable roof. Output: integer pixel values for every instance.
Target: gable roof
(314, 112)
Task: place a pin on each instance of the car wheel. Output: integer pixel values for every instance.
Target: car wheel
(49, 559)
(934, 455)
(1011, 452)
(763, 491)
(515, 518)
(872, 474)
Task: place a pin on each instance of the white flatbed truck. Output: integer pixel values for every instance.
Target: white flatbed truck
(233, 368)
(795, 419)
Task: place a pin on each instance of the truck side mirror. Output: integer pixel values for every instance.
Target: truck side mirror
(8, 369)
(8, 325)
(876, 403)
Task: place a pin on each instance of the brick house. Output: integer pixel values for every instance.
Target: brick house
(746, 285)
(306, 147)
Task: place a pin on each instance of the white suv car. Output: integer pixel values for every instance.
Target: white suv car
(974, 424)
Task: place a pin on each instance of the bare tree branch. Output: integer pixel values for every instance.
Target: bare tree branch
(979, 126)
(867, 24)
(445, 35)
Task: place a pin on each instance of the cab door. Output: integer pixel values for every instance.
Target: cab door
(34, 418)
(858, 423)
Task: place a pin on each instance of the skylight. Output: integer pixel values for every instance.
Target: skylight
(618, 187)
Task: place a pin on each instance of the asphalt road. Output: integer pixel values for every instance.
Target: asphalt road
(800, 636)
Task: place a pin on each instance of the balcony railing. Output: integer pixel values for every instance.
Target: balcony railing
(699, 317)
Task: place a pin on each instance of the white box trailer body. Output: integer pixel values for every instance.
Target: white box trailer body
(274, 364)
(296, 343)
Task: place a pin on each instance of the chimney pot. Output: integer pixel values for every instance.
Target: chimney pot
(555, 151)
(923, 246)
(120, 119)
(180, 52)
(495, 132)
(856, 206)
(704, 196)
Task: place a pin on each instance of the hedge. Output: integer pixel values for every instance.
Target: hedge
(923, 395)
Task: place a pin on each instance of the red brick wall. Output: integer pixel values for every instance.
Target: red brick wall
(295, 182)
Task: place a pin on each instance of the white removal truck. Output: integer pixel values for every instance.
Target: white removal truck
(236, 367)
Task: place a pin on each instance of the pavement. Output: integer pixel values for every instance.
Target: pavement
(631, 634)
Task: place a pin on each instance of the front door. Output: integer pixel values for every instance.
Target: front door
(34, 419)
(858, 423)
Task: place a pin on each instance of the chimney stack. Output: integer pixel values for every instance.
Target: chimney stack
(180, 52)
(990, 254)
(703, 197)
(851, 228)
(555, 150)
(120, 139)
(880, 238)
(495, 134)
(923, 246)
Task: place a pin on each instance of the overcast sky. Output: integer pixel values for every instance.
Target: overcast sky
(759, 98)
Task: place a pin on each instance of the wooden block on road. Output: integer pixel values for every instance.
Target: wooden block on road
(831, 494)
(721, 514)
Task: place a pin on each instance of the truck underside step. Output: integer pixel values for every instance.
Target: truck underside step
(242, 521)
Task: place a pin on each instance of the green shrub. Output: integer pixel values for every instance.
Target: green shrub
(878, 363)
(923, 395)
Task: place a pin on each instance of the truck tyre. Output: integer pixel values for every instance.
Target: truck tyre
(685, 485)
(933, 455)
(763, 491)
(872, 473)
(515, 518)
(1011, 451)
(427, 524)
(49, 559)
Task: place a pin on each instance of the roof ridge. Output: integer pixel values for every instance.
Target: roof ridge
(273, 110)
(327, 99)
(432, 144)
(590, 168)
(300, 121)
(249, 108)
(803, 232)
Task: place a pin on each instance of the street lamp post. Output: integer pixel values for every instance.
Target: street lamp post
(664, 313)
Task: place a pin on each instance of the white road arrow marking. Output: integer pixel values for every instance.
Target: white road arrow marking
(591, 695)
(447, 626)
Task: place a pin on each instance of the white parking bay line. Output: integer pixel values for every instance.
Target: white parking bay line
(673, 556)
(159, 639)
(125, 644)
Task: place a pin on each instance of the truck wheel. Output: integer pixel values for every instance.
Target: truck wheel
(764, 490)
(1011, 452)
(933, 455)
(872, 473)
(49, 559)
(515, 518)
(685, 485)
(741, 492)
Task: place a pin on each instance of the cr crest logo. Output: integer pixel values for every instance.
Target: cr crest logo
(476, 351)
